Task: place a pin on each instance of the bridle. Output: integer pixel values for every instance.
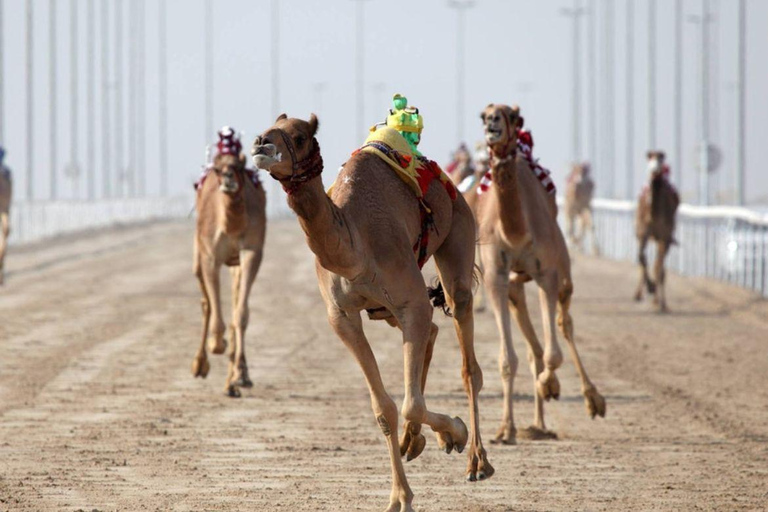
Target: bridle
(509, 154)
(311, 166)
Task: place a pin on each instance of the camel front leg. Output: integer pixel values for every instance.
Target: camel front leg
(210, 271)
(643, 261)
(412, 442)
(519, 307)
(547, 383)
(593, 400)
(250, 261)
(497, 285)
(200, 364)
(659, 276)
(349, 328)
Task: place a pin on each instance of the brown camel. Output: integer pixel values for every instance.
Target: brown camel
(363, 237)
(231, 224)
(655, 219)
(521, 241)
(6, 188)
(578, 207)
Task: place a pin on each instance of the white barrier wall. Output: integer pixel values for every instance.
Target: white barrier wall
(724, 243)
(32, 222)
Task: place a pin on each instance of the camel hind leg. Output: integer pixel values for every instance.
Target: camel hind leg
(519, 307)
(4, 232)
(659, 276)
(412, 442)
(589, 225)
(200, 364)
(455, 265)
(594, 401)
(645, 280)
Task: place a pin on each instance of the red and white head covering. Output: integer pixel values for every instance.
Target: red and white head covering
(229, 142)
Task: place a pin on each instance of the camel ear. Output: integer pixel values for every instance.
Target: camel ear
(662, 155)
(649, 155)
(520, 122)
(313, 123)
(482, 115)
(281, 117)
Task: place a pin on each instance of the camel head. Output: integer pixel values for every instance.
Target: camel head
(230, 172)
(655, 164)
(579, 172)
(288, 149)
(501, 123)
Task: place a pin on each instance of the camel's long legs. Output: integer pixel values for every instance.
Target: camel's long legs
(200, 365)
(250, 261)
(519, 307)
(412, 441)
(210, 272)
(659, 275)
(547, 384)
(594, 401)
(349, 328)
(497, 285)
(234, 275)
(455, 264)
(643, 261)
(589, 225)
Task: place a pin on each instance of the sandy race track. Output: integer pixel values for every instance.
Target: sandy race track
(98, 409)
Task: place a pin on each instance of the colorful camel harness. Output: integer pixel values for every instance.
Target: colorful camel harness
(525, 147)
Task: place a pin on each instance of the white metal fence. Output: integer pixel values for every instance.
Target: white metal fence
(724, 243)
(35, 221)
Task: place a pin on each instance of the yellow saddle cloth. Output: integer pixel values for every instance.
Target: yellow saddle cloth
(417, 172)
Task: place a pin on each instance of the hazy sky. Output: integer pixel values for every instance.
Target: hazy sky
(518, 51)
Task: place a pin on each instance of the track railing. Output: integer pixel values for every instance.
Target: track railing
(724, 243)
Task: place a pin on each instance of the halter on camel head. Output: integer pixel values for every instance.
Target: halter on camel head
(506, 149)
(302, 171)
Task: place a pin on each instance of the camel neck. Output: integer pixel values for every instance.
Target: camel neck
(234, 215)
(330, 234)
(507, 190)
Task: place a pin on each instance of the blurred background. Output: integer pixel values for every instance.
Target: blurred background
(118, 98)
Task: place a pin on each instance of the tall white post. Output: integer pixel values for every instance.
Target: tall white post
(52, 119)
(629, 162)
(652, 74)
(119, 119)
(741, 105)
(29, 27)
(275, 57)
(461, 7)
(106, 139)
(90, 104)
(678, 126)
(208, 70)
(163, 95)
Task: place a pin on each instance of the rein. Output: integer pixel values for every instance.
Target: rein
(311, 167)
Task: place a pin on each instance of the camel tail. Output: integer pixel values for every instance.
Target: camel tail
(436, 296)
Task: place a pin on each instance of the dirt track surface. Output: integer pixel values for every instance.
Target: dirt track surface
(98, 409)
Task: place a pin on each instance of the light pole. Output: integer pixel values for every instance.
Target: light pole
(275, 55)
(29, 27)
(106, 141)
(592, 85)
(208, 70)
(575, 13)
(703, 121)
(461, 7)
(90, 103)
(2, 80)
(359, 70)
(52, 120)
(162, 110)
(630, 102)
(652, 74)
(678, 140)
(74, 171)
(741, 104)
(119, 188)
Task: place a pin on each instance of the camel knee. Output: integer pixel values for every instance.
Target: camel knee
(385, 412)
(508, 367)
(472, 376)
(414, 409)
(462, 301)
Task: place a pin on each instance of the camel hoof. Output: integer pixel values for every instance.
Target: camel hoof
(479, 467)
(595, 403)
(471, 477)
(534, 433)
(244, 382)
(506, 435)
(638, 296)
(415, 447)
(217, 347)
(446, 441)
(200, 367)
(233, 392)
(547, 385)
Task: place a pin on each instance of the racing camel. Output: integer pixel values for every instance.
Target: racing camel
(231, 224)
(655, 219)
(5, 206)
(363, 236)
(579, 189)
(520, 241)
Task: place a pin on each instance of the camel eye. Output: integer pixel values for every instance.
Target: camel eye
(300, 140)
